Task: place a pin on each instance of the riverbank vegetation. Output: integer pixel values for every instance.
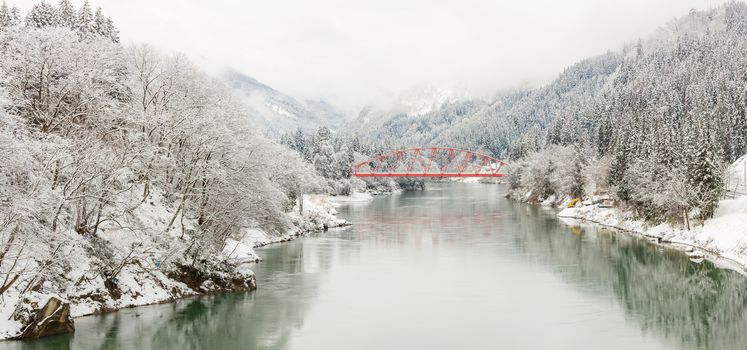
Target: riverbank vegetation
(664, 127)
(125, 170)
(334, 156)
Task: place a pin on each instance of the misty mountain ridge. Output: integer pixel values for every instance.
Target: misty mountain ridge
(521, 120)
(418, 102)
(435, 117)
(276, 112)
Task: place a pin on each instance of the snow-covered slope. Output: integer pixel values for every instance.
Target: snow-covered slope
(722, 237)
(429, 116)
(418, 101)
(144, 250)
(424, 99)
(276, 112)
(736, 177)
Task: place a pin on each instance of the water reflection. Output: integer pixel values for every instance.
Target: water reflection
(457, 266)
(694, 305)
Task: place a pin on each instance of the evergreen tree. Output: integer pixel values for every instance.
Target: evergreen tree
(65, 15)
(112, 30)
(100, 24)
(579, 173)
(287, 140)
(15, 16)
(355, 143)
(299, 140)
(4, 15)
(324, 160)
(344, 159)
(41, 15)
(9, 16)
(310, 148)
(85, 23)
(704, 177)
(617, 179)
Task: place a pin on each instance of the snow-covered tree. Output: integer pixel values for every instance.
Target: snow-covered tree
(15, 17)
(323, 152)
(56, 82)
(577, 186)
(41, 15)
(65, 15)
(101, 24)
(705, 178)
(113, 31)
(343, 161)
(85, 21)
(9, 16)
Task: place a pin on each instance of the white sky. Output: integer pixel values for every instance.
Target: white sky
(351, 51)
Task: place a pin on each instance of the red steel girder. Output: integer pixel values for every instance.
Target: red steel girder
(402, 163)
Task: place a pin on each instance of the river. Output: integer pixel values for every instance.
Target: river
(457, 266)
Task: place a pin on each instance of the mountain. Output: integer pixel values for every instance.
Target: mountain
(414, 116)
(276, 112)
(330, 115)
(680, 87)
(433, 117)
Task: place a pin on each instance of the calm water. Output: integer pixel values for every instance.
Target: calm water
(454, 267)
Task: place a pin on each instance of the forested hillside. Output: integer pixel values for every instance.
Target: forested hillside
(124, 164)
(654, 124)
(515, 122)
(667, 123)
(494, 126)
(674, 116)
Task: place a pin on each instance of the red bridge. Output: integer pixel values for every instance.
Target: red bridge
(431, 162)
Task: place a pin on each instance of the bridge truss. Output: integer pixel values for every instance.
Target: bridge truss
(435, 162)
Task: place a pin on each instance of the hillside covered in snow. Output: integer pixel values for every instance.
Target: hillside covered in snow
(654, 125)
(129, 176)
(274, 112)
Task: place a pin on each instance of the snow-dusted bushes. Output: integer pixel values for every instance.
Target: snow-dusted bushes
(331, 156)
(557, 171)
(654, 191)
(122, 165)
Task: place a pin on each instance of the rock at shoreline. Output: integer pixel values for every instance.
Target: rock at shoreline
(219, 277)
(42, 315)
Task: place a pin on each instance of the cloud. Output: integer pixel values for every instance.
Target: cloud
(353, 51)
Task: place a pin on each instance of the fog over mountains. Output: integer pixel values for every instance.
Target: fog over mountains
(275, 112)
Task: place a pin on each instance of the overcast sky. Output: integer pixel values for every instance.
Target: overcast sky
(351, 52)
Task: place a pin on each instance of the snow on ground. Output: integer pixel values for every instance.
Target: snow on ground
(144, 246)
(466, 179)
(319, 214)
(736, 179)
(724, 236)
(241, 251)
(319, 211)
(355, 197)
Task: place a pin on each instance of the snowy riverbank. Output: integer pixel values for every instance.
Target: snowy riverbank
(724, 237)
(319, 215)
(143, 277)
